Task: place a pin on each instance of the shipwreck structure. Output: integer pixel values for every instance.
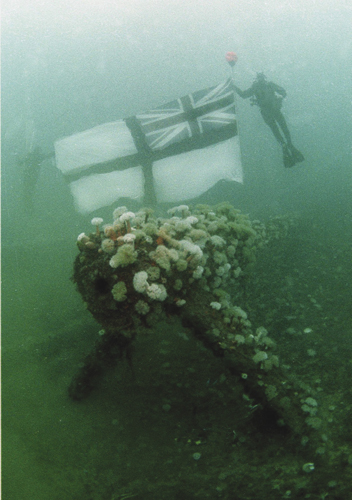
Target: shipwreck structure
(133, 271)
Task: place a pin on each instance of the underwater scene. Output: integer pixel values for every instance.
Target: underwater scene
(176, 250)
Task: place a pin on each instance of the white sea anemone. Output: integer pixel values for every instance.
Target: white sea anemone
(215, 305)
(96, 221)
(119, 291)
(197, 274)
(142, 307)
(114, 261)
(180, 302)
(181, 225)
(118, 212)
(108, 245)
(192, 219)
(181, 208)
(217, 241)
(125, 255)
(129, 238)
(83, 238)
(126, 218)
(109, 231)
(260, 356)
(156, 292)
(191, 248)
(140, 282)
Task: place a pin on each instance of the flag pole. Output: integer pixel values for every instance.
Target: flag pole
(146, 161)
(231, 58)
(149, 187)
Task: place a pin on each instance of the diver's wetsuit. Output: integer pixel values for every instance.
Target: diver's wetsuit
(264, 95)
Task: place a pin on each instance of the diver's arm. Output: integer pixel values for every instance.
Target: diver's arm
(243, 93)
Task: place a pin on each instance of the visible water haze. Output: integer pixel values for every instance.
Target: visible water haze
(68, 66)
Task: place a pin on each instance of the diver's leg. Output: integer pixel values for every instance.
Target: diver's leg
(296, 154)
(270, 121)
(279, 117)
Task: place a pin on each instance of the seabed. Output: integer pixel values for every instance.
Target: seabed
(175, 424)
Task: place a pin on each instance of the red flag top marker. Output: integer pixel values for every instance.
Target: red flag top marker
(231, 58)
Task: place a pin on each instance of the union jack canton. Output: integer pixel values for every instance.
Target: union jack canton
(193, 121)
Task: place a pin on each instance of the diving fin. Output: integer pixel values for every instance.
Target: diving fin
(288, 159)
(296, 155)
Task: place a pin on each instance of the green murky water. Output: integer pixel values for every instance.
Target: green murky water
(175, 425)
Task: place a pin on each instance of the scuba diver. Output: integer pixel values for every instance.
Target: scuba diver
(268, 96)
